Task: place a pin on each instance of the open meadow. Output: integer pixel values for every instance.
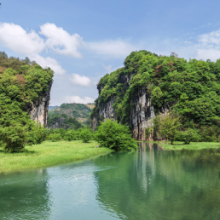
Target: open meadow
(48, 154)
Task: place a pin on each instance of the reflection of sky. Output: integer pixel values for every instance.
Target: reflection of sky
(65, 192)
(73, 191)
(140, 185)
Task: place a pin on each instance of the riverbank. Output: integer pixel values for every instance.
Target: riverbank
(192, 146)
(49, 154)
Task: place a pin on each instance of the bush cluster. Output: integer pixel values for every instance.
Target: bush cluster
(84, 134)
(110, 134)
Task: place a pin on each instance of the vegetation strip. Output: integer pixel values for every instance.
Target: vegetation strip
(192, 146)
(49, 154)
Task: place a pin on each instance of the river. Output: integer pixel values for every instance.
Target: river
(147, 184)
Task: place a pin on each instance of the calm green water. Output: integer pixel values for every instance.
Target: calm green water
(148, 184)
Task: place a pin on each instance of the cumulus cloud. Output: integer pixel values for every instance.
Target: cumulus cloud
(48, 62)
(77, 99)
(210, 38)
(80, 80)
(116, 48)
(212, 54)
(29, 44)
(61, 41)
(17, 39)
(209, 46)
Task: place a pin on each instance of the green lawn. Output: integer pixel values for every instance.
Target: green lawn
(49, 154)
(192, 146)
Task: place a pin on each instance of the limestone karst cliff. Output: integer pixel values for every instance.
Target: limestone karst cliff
(38, 110)
(149, 84)
(140, 113)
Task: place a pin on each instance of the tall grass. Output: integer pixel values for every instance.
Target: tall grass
(48, 154)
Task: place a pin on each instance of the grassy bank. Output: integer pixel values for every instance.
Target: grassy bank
(192, 146)
(49, 154)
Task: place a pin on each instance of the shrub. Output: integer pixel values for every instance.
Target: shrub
(166, 126)
(116, 136)
(170, 125)
(78, 133)
(86, 135)
(37, 135)
(55, 137)
(188, 136)
(13, 137)
(70, 135)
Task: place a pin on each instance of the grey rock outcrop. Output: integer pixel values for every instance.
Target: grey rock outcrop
(39, 109)
(140, 115)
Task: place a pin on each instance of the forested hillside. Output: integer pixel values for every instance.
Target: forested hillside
(192, 88)
(22, 84)
(69, 116)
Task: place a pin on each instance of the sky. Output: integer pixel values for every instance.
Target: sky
(83, 40)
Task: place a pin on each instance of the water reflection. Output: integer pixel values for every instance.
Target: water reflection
(154, 184)
(22, 198)
(147, 184)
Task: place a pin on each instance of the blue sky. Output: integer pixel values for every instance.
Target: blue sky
(83, 40)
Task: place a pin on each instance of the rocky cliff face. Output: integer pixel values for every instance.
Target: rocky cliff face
(39, 110)
(140, 114)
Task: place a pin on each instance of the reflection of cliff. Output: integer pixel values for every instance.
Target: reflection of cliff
(26, 197)
(159, 185)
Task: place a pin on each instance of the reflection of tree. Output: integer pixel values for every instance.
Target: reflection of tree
(24, 196)
(159, 185)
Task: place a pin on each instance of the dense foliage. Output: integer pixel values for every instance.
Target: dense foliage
(115, 136)
(191, 88)
(21, 83)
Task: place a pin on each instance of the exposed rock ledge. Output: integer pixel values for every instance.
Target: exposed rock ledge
(39, 110)
(140, 115)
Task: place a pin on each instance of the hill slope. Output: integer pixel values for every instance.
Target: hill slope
(70, 116)
(149, 84)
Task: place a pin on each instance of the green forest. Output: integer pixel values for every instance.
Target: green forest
(21, 83)
(190, 88)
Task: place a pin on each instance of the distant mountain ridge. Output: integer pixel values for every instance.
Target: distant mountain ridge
(62, 116)
(53, 107)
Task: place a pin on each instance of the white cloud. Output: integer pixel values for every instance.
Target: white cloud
(77, 99)
(48, 62)
(209, 46)
(17, 39)
(80, 80)
(211, 54)
(29, 44)
(116, 48)
(61, 41)
(210, 38)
